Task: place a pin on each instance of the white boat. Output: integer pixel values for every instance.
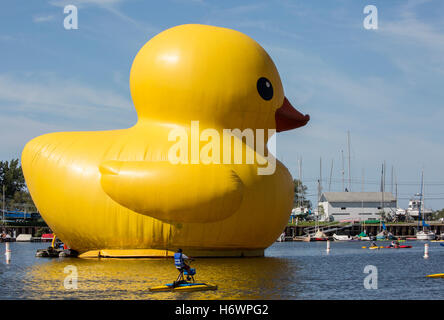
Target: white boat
(342, 237)
(24, 237)
(319, 236)
(281, 238)
(425, 235)
(416, 209)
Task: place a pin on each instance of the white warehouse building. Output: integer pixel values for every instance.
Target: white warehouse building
(361, 206)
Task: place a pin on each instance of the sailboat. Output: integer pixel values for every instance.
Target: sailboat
(423, 234)
(383, 234)
(319, 235)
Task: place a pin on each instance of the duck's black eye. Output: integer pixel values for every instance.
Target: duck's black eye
(265, 88)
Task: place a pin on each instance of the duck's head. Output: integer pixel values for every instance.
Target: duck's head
(218, 76)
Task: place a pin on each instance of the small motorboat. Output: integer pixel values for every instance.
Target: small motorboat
(319, 236)
(337, 237)
(425, 235)
(56, 250)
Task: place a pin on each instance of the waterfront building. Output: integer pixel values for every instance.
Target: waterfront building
(357, 206)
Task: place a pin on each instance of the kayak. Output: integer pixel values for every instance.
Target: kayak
(184, 287)
(388, 247)
(399, 247)
(436, 275)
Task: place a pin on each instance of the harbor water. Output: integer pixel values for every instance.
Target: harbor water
(289, 270)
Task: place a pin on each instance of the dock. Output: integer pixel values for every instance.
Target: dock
(400, 230)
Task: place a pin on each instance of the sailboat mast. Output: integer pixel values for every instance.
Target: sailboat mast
(382, 194)
(319, 192)
(300, 182)
(421, 206)
(383, 185)
(342, 172)
(331, 173)
(349, 173)
(396, 190)
(362, 180)
(391, 182)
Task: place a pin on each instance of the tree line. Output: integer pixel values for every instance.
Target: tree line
(13, 187)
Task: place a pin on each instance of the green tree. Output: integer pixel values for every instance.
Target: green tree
(21, 201)
(438, 214)
(11, 176)
(300, 192)
(17, 196)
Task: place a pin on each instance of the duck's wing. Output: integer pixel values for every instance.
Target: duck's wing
(173, 193)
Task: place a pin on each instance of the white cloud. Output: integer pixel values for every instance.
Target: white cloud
(111, 6)
(57, 95)
(80, 3)
(44, 18)
(408, 36)
(33, 106)
(16, 131)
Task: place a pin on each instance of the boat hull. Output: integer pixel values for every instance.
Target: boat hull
(425, 236)
(436, 275)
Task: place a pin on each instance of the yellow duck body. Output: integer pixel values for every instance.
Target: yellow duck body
(117, 192)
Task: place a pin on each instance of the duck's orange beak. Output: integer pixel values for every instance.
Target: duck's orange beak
(287, 117)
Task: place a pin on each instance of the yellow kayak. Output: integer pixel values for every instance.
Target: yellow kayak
(184, 287)
(373, 247)
(436, 275)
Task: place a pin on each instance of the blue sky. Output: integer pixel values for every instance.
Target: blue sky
(385, 86)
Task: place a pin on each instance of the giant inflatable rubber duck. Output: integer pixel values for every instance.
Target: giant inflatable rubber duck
(117, 193)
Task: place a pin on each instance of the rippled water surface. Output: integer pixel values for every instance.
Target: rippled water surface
(289, 270)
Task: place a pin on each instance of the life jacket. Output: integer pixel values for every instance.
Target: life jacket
(178, 260)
